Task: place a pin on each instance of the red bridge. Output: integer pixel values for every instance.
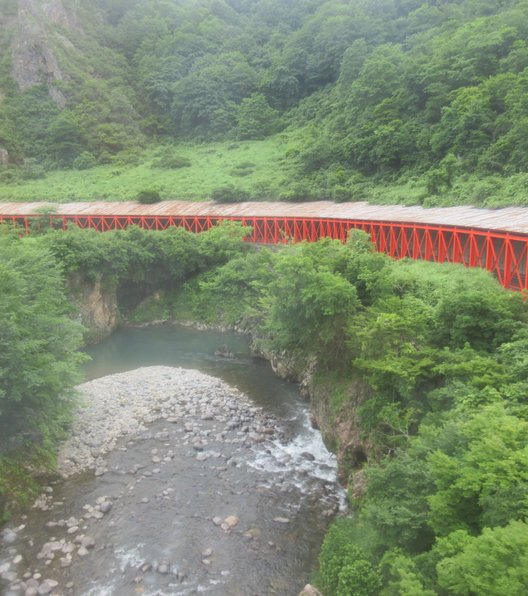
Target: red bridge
(496, 240)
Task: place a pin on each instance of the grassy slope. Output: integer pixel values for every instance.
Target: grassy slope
(263, 168)
(213, 166)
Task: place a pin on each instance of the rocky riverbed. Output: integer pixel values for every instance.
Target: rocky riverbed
(178, 484)
(123, 404)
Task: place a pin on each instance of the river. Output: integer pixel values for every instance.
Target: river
(207, 504)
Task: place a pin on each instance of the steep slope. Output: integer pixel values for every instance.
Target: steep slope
(428, 96)
(36, 33)
(59, 83)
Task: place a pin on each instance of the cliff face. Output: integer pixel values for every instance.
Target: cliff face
(97, 305)
(37, 33)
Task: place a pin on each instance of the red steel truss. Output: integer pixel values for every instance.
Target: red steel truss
(504, 254)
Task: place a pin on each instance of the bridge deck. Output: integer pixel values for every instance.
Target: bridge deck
(512, 219)
(496, 240)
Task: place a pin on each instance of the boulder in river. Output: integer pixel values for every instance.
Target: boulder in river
(224, 352)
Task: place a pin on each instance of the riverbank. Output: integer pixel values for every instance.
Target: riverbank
(124, 404)
(170, 448)
(340, 429)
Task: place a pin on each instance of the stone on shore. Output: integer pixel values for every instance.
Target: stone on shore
(122, 404)
(230, 522)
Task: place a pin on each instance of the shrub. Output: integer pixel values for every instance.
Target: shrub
(148, 197)
(344, 568)
(255, 118)
(126, 157)
(32, 170)
(341, 194)
(230, 194)
(84, 161)
(8, 175)
(171, 162)
(358, 577)
(243, 169)
(301, 192)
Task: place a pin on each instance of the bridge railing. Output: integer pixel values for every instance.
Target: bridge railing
(503, 253)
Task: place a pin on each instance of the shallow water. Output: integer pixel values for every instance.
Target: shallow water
(283, 490)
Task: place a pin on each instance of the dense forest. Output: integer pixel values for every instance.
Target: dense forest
(300, 99)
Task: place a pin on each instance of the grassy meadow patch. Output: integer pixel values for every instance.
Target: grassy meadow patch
(211, 166)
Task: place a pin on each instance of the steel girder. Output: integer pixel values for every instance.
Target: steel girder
(503, 253)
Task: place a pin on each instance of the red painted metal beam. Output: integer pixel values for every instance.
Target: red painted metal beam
(502, 253)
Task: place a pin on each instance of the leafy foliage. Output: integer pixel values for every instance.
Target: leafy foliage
(38, 344)
(39, 362)
(493, 563)
(344, 568)
(148, 197)
(229, 194)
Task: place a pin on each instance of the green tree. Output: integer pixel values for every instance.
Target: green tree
(494, 563)
(396, 504)
(39, 362)
(344, 569)
(480, 316)
(352, 63)
(255, 118)
(483, 480)
(388, 343)
(66, 139)
(308, 308)
(204, 102)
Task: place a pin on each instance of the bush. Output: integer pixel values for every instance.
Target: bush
(341, 194)
(32, 170)
(358, 577)
(8, 175)
(255, 118)
(171, 162)
(126, 157)
(344, 568)
(243, 169)
(484, 189)
(148, 197)
(84, 161)
(230, 194)
(301, 192)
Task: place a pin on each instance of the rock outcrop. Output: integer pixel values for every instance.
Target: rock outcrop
(37, 35)
(97, 306)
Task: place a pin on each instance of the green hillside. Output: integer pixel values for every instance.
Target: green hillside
(386, 100)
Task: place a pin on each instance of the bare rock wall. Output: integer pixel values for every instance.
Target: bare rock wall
(34, 43)
(97, 305)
